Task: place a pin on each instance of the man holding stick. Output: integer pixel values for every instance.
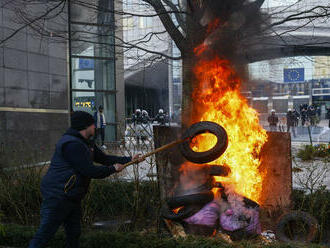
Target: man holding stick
(67, 180)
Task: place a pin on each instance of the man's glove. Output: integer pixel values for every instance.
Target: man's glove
(137, 157)
(119, 167)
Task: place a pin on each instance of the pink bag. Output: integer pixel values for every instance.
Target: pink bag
(208, 215)
(231, 221)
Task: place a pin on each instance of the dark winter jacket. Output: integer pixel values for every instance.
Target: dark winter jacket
(272, 120)
(290, 119)
(137, 119)
(161, 119)
(72, 167)
(303, 114)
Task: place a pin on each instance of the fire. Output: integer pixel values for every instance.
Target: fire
(218, 98)
(177, 209)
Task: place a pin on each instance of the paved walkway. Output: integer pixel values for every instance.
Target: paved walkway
(319, 133)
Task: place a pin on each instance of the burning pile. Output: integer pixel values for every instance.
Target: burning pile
(218, 97)
(232, 203)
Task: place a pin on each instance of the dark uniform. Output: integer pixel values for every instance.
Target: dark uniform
(273, 120)
(290, 121)
(161, 118)
(311, 113)
(304, 116)
(137, 120)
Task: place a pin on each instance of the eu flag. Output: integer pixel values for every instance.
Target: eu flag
(86, 63)
(294, 75)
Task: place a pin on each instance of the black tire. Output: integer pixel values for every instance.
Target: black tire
(207, 186)
(210, 155)
(250, 203)
(183, 213)
(218, 170)
(193, 199)
(296, 226)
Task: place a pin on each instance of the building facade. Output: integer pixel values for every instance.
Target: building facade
(48, 68)
(33, 91)
(289, 82)
(152, 82)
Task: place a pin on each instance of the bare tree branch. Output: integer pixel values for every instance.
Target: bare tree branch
(300, 15)
(124, 13)
(175, 34)
(32, 21)
(178, 16)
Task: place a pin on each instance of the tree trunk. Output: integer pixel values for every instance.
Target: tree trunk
(188, 83)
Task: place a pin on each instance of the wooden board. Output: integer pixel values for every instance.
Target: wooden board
(276, 164)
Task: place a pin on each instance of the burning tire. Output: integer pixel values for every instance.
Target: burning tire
(183, 213)
(190, 204)
(297, 226)
(214, 152)
(250, 203)
(200, 198)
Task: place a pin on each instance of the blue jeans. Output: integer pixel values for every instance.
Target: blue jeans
(54, 213)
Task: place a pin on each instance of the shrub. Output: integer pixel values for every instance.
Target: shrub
(20, 195)
(105, 200)
(310, 152)
(318, 205)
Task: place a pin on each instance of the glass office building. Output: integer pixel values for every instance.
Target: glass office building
(92, 60)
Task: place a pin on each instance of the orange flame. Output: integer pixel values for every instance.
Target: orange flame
(218, 98)
(213, 25)
(176, 210)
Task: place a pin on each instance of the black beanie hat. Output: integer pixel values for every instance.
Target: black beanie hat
(81, 120)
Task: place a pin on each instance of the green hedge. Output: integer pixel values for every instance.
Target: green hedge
(309, 152)
(107, 200)
(20, 199)
(19, 236)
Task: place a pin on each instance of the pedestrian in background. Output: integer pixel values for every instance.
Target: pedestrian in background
(290, 119)
(146, 127)
(161, 117)
(137, 121)
(311, 113)
(100, 124)
(145, 117)
(304, 116)
(296, 117)
(273, 120)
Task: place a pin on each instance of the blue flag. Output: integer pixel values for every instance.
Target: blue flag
(294, 75)
(86, 64)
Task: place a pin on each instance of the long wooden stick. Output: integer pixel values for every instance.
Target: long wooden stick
(162, 148)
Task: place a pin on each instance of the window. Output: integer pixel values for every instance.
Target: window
(142, 22)
(145, 22)
(128, 23)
